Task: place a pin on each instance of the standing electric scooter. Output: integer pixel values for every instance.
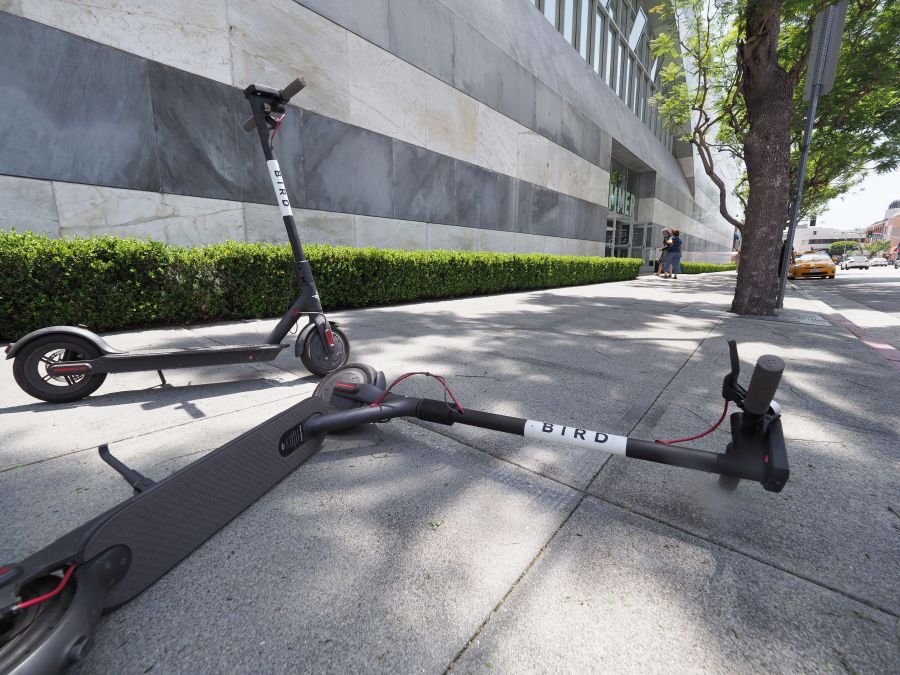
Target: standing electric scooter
(66, 363)
(51, 601)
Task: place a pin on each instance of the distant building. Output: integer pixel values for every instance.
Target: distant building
(820, 238)
(888, 228)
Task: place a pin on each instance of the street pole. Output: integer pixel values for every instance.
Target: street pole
(817, 74)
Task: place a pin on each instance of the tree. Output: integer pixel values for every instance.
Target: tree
(874, 247)
(731, 88)
(841, 247)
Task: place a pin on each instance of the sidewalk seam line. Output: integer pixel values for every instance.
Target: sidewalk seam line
(513, 587)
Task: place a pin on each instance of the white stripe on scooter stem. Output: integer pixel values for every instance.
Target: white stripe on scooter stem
(281, 194)
(582, 438)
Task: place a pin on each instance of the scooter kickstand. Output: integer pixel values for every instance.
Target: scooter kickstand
(135, 479)
(162, 379)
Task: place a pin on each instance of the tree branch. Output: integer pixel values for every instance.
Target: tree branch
(705, 154)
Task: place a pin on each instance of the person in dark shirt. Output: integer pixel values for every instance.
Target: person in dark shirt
(666, 235)
(672, 263)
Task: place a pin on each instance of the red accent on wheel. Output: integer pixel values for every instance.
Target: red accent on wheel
(63, 370)
(329, 337)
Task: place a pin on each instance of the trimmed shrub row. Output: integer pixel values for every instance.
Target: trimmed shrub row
(700, 268)
(107, 283)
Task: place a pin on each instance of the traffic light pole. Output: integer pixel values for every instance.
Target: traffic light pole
(818, 74)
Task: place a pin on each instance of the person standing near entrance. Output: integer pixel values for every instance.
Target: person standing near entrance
(666, 235)
(672, 261)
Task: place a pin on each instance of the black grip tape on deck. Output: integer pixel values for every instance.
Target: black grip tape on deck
(181, 512)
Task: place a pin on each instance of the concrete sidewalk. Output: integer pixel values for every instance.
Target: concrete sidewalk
(414, 547)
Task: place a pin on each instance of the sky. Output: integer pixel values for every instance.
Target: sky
(863, 205)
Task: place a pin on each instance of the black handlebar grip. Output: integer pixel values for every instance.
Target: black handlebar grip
(292, 89)
(763, 384)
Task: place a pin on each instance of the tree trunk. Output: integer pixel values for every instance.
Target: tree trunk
(767, 91)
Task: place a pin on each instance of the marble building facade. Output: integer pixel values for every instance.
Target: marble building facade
(465, 124)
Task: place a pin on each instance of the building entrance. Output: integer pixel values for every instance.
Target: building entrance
(618, 237)
(625, 239)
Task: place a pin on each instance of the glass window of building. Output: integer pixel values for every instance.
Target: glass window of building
(612, 6)
(599, 29)
(550, 11)
(584, 25)
(568, 20)
(614, 37)
(637, 29)
(635, 78)
(609, 58)
(642, 101)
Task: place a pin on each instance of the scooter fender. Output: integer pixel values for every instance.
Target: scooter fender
(68, 638)
(99, 342)
(319, 323)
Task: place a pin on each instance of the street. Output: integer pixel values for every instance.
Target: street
(876, 287)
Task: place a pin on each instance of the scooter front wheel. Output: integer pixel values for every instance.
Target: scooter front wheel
(357, 373)
(315, 354)
(30, 368)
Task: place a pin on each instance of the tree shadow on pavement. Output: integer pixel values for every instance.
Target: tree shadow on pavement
(391, 553)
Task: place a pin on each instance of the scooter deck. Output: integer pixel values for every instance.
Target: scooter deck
(173, 517)
(170, 359)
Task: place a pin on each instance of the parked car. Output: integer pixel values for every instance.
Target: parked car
(878, 262)
(855, 261)
(812, 265)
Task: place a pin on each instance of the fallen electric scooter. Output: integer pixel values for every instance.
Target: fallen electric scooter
(59, 364)
(50, 602)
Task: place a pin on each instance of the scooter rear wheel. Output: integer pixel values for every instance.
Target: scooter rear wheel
(30, 368)
(315, 356)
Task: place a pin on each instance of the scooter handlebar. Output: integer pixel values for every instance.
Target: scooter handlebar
(292, 89)
(277, 99)
(763, 384)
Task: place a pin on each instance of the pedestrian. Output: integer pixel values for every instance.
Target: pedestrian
(666, 235)
(672, 263)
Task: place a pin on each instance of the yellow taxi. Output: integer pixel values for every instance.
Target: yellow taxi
(812, 265)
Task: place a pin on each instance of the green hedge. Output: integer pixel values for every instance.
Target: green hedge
(700, 268)
(108, 283)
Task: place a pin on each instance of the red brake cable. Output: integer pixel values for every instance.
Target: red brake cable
(275, 128)
(708, 431)
(377, 402)
(47, 596)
